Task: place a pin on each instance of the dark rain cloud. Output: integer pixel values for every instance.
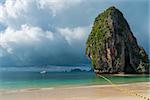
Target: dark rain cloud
(40, 32)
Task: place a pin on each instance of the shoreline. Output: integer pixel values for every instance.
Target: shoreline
(67, 87)
(83, 92)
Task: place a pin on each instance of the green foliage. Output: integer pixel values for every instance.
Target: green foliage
(111, 26)
(98, 35)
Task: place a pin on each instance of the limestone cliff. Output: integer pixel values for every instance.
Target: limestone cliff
(112, 46)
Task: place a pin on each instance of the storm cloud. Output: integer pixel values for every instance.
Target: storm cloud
(54, 32)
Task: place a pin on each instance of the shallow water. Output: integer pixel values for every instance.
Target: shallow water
(29, 79)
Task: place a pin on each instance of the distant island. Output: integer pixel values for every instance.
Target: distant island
(79, 70)
(113, 48)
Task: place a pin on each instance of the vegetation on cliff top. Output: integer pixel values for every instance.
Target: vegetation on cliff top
(98, 34)
(112, 46)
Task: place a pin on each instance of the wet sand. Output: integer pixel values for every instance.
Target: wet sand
(93, 92)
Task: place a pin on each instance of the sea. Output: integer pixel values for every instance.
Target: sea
(28, 77)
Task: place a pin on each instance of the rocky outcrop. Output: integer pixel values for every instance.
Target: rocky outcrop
(112, 46)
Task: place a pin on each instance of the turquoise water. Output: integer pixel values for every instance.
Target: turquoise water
(21, 80)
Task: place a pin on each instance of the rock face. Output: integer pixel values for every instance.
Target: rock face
(112, 46)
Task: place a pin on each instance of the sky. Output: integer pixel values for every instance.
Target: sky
(54, 32)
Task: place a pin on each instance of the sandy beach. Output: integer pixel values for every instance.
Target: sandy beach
(93, 92)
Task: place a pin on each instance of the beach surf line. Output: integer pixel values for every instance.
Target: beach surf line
(133, 93)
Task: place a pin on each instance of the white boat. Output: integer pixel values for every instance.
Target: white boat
(43, 72)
